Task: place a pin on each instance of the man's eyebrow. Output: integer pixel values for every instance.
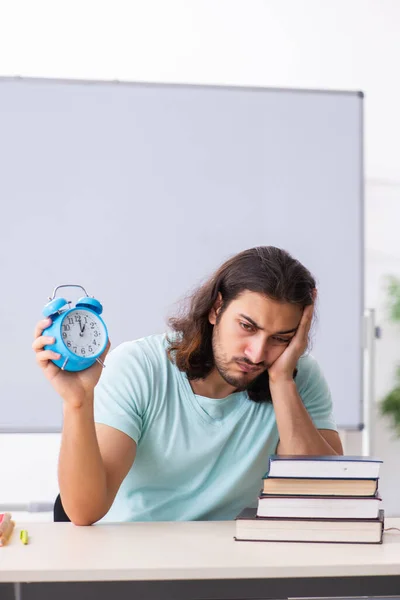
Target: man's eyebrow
(250, 320)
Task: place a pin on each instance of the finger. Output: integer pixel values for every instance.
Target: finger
(46, 355)
(306, 319)
(107, 348)
(41, 326)
(41, 342)
(308, 312)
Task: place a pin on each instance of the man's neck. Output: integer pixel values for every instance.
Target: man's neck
(212, 386)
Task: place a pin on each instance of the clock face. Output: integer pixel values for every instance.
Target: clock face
(83, 333)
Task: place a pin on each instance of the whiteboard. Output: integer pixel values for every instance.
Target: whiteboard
(139, 191)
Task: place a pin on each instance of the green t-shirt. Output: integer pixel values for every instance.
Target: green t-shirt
(197, 458)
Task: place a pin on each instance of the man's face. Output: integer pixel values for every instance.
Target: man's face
(252, 332)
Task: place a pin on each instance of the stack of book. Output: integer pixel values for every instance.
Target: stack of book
(316, 499)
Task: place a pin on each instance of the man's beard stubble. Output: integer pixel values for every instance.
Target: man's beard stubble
(241, 383)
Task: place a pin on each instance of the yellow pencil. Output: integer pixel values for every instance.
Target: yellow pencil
(7, 534)
(23, 536)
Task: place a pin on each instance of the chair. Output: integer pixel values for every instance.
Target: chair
(59, 513)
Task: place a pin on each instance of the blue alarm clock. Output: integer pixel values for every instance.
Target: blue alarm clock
(80, 333)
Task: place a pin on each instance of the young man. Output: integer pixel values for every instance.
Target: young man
(180, 426)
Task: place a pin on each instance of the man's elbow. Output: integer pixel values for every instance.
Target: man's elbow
(332, 439)
(82, 522)
(83, 517)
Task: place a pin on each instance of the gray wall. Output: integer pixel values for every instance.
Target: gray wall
(138, 192)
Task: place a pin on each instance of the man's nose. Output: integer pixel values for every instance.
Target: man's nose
(255, 352)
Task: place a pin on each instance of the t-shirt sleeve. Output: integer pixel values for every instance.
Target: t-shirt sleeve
(315, 393)
(122, 394)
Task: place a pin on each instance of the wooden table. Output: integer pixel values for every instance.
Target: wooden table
(188, 560)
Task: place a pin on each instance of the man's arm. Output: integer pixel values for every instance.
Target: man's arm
(297, 432)
(94, 460)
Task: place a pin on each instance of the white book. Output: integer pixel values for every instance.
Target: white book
(319, 507)
(249, 527)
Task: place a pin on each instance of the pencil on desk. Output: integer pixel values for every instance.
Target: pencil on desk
(5, 536)
(23, 536)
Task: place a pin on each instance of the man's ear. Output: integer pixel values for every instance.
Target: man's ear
(213, 314)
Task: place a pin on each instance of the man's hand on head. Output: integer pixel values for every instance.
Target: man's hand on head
(284, 366)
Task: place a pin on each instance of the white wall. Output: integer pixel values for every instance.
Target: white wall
(347, 44)
(382, 259)
(335, 44)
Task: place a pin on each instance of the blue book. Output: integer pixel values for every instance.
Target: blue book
(341, 467)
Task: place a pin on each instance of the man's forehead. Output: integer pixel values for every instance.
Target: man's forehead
(257, 301)
(268, 313)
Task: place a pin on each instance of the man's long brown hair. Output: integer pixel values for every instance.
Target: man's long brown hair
(266, 270)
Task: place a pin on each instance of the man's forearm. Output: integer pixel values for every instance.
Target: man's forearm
(297, 432)
(81, 472)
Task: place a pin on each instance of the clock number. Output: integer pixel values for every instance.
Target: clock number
(69, 344)
(96, 334)
(83, 351)
(75, 349)
(92, 325)
(70, 320)
(90, 349)
(64, 335)
(67, 327)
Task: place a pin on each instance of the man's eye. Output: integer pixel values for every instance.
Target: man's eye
(246, 326)
(281, 340)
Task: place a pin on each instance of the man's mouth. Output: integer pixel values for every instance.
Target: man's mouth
(247, 368)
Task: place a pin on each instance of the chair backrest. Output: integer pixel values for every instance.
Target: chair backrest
(59, 513)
